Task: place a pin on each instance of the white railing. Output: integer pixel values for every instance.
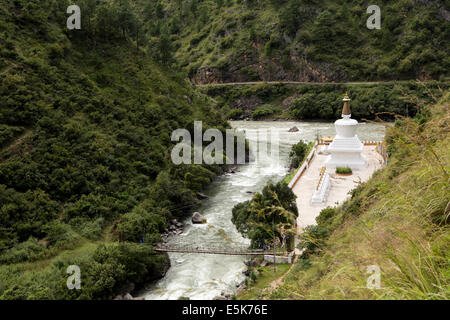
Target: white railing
(320, 195)
(370, 142)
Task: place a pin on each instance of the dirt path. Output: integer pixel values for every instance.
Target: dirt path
(17, 141)
(275, 284)
(9, 67)
(300, 83)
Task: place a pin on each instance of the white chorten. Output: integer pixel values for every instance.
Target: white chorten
(346, 149)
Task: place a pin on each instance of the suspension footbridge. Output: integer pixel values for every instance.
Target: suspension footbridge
(220, 250)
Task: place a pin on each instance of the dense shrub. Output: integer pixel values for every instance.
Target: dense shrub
(264, 111)
(104, 271)
(141, 224)
(270, 214)
(343, 170)
(7, 133)
(235, 114)
(298, 153)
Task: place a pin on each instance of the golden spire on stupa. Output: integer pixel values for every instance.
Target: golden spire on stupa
(346, 109)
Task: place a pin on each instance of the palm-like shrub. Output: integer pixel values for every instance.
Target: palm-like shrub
(270, 214)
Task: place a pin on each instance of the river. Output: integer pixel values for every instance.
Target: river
(201, 276)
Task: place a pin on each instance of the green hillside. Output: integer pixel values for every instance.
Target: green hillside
(85, 123)
(304, 40)
(86, 116)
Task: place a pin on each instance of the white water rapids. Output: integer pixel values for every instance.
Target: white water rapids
(201, 276)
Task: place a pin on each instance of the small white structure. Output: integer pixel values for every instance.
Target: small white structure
(278, 259)
(346, 149)
(320, 194)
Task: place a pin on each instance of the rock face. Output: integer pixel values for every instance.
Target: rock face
(197, 218)
(258, 68)
(252, 263)
(293, 129)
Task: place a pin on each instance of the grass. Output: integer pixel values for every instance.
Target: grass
(85, 248)
(343, 170)
(264, 278)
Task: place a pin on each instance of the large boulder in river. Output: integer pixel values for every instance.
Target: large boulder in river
(294, 129)
(197, 218)
(128, 297)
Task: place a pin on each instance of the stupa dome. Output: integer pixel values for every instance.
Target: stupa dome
(346, 149)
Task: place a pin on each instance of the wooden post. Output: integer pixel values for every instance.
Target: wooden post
(274, 257)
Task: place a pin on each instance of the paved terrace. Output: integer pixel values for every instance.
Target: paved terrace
(340, 185)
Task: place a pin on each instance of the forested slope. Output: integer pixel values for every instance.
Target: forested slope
(85, 124)
(304, 40)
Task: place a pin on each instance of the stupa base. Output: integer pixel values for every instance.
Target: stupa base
(346, 160)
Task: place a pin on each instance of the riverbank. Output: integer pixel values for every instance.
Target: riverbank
(306, 101)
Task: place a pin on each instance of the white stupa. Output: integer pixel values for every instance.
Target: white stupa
(346, 149)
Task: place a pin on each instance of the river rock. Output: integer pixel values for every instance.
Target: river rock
(197, 218)
(201, 196)
(128, 297)
(233, 170)
(172, 227)
(139, 298)
(174, 221)
(241, 287)
(294, 129)
(252, 263)
(126, 288)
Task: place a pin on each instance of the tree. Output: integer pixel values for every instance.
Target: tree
(162, 49)
(289, 17)
(298, 153)
(126, 17)
(270, 214)
(88, 8)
